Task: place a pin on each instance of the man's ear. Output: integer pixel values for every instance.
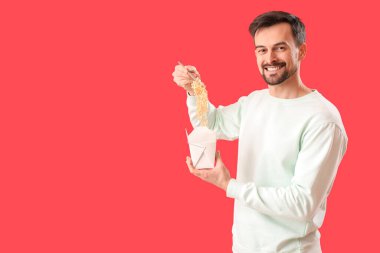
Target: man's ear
(302, 51)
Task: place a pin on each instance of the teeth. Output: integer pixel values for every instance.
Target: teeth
(272, 68)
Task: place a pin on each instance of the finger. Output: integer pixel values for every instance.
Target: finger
(199, 173)
(188, 87)
(190, 164)
(191, 69)
(218, 158)
(178, 78)
(183, 72)
(180, 68)
(204, 173)
(188, 159)
(180, 74)
(181, 82)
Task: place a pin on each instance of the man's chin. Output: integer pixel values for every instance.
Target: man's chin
(273, 82)
(276, 81)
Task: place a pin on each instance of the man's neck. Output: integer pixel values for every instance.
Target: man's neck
(291, 88)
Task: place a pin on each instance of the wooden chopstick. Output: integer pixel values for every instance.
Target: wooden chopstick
(188, 71)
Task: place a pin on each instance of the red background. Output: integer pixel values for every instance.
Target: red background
(93, 143)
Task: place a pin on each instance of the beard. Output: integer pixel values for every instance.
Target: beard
(275, 80)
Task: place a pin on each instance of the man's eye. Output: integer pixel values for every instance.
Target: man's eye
(261, 51)
(280, 48)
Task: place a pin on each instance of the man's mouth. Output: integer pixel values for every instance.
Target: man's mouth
(273, 69)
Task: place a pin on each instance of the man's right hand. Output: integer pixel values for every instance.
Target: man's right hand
(182, 78)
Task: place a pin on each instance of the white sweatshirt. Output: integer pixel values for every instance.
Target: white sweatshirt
(289, 153)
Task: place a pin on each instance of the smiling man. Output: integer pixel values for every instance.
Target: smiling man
(291, 142)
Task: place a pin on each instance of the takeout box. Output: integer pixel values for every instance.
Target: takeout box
(202, 144)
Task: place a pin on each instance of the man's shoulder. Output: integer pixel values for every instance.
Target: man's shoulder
(325, 110)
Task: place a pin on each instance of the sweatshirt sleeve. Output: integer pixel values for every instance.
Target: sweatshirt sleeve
(224, 120)
(321, 152)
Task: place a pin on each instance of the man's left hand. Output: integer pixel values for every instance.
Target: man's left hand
(219, 176)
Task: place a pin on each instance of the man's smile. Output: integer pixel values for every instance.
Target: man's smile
(273, 68)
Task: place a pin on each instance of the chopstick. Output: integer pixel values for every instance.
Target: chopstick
(188, 71)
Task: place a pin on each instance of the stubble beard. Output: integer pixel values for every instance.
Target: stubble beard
(283, 77)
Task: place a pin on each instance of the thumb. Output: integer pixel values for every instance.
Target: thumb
(218, 157)
(193, 70)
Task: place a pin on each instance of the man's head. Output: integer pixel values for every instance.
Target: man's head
(279, 39)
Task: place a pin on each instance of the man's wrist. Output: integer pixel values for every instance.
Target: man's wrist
(224, 187)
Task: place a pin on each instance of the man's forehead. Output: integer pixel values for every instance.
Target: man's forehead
(269, 36)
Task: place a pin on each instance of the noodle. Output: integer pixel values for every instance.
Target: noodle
(202, 101)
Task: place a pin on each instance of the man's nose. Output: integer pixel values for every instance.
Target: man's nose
(271, 57)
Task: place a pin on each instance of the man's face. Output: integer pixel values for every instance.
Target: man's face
(278, 57)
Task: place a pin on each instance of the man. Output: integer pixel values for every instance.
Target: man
(291, 142)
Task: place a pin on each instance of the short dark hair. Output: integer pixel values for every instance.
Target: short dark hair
(275, 17)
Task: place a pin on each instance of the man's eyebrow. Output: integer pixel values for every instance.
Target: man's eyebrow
(275, 45)
(281, 43)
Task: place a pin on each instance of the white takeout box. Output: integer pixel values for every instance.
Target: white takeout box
(202, 143)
